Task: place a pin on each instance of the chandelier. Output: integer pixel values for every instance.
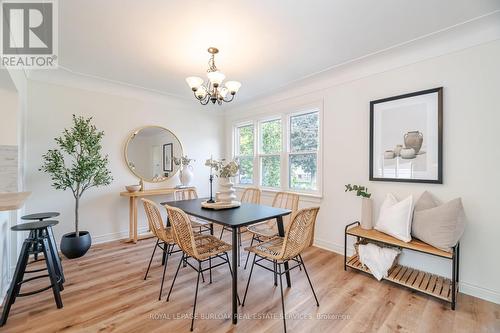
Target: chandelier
(212, 90)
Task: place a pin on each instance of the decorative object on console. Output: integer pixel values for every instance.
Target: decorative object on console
(213, 91)
(395, 217)
(133, 188)
(186, 173)
(224, 170)
(440, 225)
(87, 168)
(415, 120)
(366, 204)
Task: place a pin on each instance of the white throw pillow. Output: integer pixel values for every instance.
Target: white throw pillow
(395, 217)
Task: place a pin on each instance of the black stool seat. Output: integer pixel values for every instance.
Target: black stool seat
(34, 225)
(40, 216)
(40, 241)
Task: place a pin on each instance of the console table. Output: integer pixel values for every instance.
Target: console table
(133, 196)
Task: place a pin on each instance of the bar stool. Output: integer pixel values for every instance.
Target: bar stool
(41, 217)
(37, 242)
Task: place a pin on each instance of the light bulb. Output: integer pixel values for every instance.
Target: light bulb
(194, 82)
(216, 77)
(223, 92)
(233, 86)
(201, 92)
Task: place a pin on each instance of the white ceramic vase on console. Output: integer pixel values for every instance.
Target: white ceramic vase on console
(227, 193)
(186, 175)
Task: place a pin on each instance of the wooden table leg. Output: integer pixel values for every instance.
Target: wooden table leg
(281, 233)
(131, 219)
(134, 203)
(235, 275)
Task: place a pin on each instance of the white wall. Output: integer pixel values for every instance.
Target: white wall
(102, 211)
(471, 82)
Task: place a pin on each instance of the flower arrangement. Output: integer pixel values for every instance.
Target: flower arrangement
(223, 168)
(183, 160)
(361, 191)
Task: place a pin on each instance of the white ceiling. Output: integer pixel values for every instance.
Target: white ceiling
(155, 44)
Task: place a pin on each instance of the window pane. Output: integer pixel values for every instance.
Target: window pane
(304, 131)
(303, 168)
(270, 168)
(245, 140)
(271, 136)
(245, 175)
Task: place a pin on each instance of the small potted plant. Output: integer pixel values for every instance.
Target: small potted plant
(366, 204)
(78, 165)
(186, 173)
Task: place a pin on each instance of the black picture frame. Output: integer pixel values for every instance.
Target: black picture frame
(439, 179)
(168, 157)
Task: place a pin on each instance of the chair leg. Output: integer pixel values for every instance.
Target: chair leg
(231, 271)
(249, 277)
(251, 243)
(150, 260)
(210, 268)
(275, 269)
(164, 269)
(196, 295)
(175, 276)
(52, 272)
(282, 298)
(308, 279)
(221, 232)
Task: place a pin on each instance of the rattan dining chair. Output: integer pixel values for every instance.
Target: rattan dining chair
(280, 250)
(196, 223)
(201, 248)
(163, 234)
(267, 229)
(249, 195)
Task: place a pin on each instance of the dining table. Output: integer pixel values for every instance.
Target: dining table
(244, 215)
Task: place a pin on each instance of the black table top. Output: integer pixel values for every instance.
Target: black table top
(34, 225)
(40, 216)
(244, 215)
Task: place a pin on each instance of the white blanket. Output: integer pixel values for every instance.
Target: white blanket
(377, 259)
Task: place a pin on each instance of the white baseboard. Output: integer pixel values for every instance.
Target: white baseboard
(464, 287)
(113, 236)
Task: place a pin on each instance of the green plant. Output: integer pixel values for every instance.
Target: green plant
(77, 164)
(223, 168)
(183, 160)
(361, 191)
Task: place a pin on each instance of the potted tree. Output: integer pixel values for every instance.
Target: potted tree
(78, 165)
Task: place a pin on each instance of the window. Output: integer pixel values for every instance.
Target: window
(286, 154)
(245, 153)
(303, 155)
(270, 148)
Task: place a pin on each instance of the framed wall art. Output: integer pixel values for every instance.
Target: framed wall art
(406, 138)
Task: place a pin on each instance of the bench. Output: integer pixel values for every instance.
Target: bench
(434, 285)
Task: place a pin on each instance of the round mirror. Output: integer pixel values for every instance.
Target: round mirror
(150, 153)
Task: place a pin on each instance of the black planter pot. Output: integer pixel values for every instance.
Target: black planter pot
(75, 247)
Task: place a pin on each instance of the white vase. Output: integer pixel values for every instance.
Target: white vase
(227, 192)
(186, 175)
(366, 213)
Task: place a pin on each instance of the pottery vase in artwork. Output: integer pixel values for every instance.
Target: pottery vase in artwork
(414, 139)
(227, 193)
(366, 213)
(186, 175)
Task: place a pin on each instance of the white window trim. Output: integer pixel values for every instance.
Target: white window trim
(285, 153)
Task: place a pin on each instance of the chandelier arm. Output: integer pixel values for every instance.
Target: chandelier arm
(230, 99)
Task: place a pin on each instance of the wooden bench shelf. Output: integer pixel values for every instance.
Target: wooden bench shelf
(427, 283)
(430, 284)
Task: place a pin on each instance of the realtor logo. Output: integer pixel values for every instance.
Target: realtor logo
(29, 34)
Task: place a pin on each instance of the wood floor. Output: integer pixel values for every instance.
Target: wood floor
(105, 292)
